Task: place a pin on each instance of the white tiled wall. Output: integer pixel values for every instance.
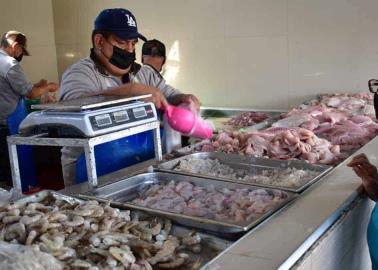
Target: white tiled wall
(35, 20)
(244, 53)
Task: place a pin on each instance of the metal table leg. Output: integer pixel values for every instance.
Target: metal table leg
(13, 159)
(91, 165)
(157, 144)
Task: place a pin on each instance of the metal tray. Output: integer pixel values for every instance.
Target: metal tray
(218, 112)
(40, 196)
(190, 149)
(251, 164)
(211, 246)
(120, 193)
(220, 116)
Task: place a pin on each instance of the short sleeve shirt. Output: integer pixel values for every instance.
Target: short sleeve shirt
(13, 85)
(83, 79)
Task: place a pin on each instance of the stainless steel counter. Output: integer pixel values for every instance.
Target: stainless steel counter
(280, 241)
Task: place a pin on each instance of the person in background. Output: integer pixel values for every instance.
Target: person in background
(368, 174)
(13, 86)
(109, 70)
(369, 177)
(153, 60)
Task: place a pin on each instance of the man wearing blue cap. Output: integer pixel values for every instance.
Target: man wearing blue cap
(108, 71)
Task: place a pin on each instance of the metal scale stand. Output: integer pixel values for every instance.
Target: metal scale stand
(84, 123)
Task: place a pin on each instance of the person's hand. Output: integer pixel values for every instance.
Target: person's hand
(52, 87)
(368, 173)
(49, 97)
(364, 169)
(41, 83)
(41, 88)
(191, 99)
(157, 97)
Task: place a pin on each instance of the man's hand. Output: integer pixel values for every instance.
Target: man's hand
(368, 173)
(42, 82)
(192, 100)
(157, 97)
(189, 98)
(48, 98)
(52, 87)
(41, 88)
(363, 168)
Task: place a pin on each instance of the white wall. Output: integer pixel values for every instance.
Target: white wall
(244, 53)
(35, 20)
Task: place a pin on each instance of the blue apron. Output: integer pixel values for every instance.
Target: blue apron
(372, 237)
(25, 152)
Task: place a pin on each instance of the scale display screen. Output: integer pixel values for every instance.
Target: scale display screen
(139, 112)
(103, 120)
(121, 116)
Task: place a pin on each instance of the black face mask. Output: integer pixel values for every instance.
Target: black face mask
(19, 58)
(122, 59)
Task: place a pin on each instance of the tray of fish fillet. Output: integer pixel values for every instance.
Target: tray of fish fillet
(240, 119)
(84, 234)
(290, 175)
(218, 206)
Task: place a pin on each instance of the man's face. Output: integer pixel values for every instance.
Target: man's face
(127, 45)
(156, 61)
(19, 50)
(16, 49)
(105, 45)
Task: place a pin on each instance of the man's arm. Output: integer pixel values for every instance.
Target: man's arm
(148, 76)
(23, 87)
(137, 89)
(38, 91)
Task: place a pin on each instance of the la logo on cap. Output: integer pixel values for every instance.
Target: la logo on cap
(130, 20)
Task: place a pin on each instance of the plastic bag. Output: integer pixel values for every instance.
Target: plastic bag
(5, 196)
(171, 138)
(20, 257)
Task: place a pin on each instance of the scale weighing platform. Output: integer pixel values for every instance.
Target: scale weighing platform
(85, 122)
(88, 117)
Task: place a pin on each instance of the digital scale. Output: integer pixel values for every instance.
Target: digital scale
(85, 123)
(88, 117)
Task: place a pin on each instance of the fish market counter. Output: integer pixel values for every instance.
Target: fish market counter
(324, 228)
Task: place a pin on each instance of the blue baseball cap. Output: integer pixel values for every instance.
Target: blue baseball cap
(119, 21)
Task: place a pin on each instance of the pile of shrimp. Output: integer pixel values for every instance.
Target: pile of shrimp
(92, 235)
